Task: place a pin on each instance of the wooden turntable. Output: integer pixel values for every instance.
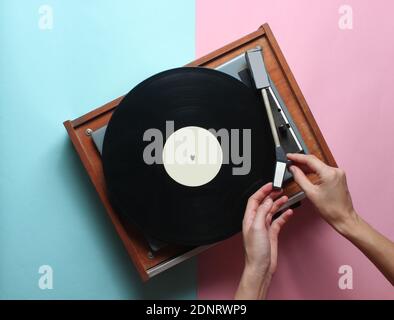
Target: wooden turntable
(147, 262)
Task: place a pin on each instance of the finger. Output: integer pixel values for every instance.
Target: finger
(278, 224)
(275, 207)
(262, 211)
(305, 169)
(253, 204)
(278, 203)
(301, 179)
(255, 199)
(275, 194)
(310, 161)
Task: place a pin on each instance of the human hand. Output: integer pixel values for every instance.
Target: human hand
(332, 198)
(330, 194)
(261, 241)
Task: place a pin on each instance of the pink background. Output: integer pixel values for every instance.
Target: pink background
(347, 77)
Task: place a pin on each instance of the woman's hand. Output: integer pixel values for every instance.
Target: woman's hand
(330, 194)
(261, 241)
(332, 198)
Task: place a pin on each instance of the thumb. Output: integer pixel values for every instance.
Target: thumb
(301, 179)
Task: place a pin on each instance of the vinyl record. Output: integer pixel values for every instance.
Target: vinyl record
(192, 204)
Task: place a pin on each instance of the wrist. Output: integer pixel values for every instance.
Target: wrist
(256, 272)
(348, 226)
(258, 275)
(254, 283)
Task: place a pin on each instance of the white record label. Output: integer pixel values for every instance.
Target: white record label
(192, 156)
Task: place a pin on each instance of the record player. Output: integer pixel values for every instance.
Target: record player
(296, 131)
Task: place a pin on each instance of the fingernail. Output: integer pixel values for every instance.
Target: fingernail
(291, 168)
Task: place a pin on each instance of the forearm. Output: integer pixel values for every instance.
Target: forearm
(253, 285)
(374, 245)
(264, 287)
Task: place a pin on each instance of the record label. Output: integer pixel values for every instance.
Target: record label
(192, 156)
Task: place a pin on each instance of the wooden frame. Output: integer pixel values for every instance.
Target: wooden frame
(79, 130)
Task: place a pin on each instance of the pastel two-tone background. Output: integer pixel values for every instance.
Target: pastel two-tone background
(98, 50)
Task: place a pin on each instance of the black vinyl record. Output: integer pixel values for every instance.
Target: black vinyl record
(146, 195)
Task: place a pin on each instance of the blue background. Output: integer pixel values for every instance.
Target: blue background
(49, 211)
